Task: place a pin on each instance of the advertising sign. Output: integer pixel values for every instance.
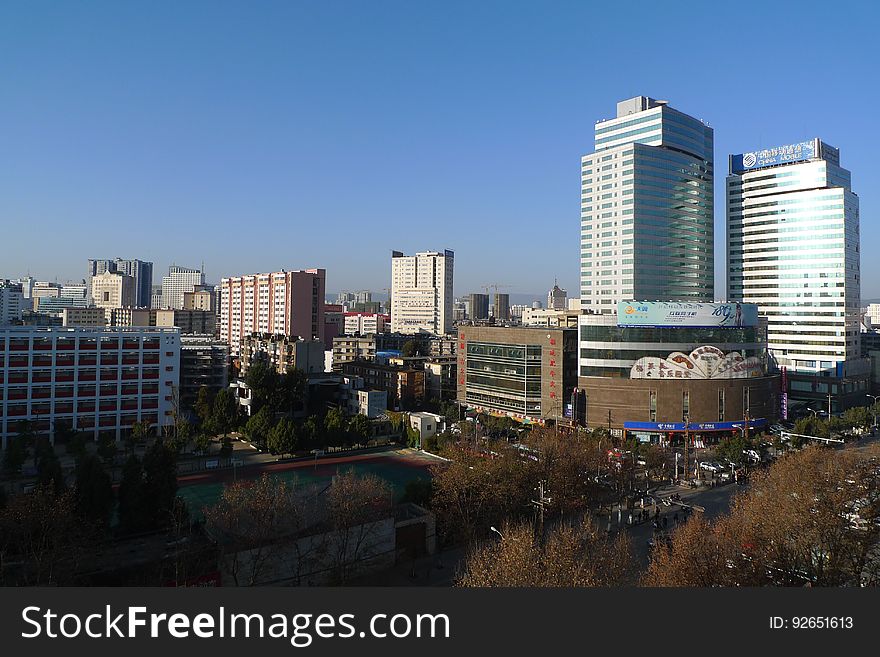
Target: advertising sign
(694, 315)
(754, 423)
(706, 362)
(804, 150)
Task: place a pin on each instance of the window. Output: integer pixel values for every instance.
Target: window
(746, 400)
(721, 405)
(685, 403)
(652, 405)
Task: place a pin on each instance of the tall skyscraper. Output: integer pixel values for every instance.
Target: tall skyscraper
(557, 298)
(179, 281)
(647, 208)
(501, 305)
(280, 303)
(140, 270)
(421, 292)
(793, 245)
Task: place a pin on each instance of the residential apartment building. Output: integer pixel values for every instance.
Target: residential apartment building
(202, 322)
(12, 302)
(501, 306)
(421, 292)
(477, 306)
(365, 323)
(647, 207)
(793, 245)
(348, 348)
(88, 379)
(287, 302)
(199, 300)
(282, 353)
(405, 385)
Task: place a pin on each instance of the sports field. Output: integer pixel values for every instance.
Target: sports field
(396, 466)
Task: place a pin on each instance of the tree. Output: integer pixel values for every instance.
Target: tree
(262, 380)
(204, 404)
(418, 491)
(160, 482)
(49, 472)
(310, 431)
(134, 513)
(202, 442)
(93, 490)
(360, 428)
(733, 449)
(334, 427)
(138, 435)
(290, 391)
(282, 437)
(107, 448)
(259, 426)
(41, 534)
(572, 555)
(225, 412)
(410, 348)
(14, 455)
(354, 505)
(257, 523)
(858, 417)
(226, 448)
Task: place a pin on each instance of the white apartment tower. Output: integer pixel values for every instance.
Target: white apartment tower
(647, 208)
(793, 245)
(421, 292)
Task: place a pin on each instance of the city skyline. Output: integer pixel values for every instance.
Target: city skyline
(125, 138)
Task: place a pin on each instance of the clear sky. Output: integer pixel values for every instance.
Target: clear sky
(256, 136)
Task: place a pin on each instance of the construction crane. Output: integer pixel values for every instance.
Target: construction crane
(494, 286)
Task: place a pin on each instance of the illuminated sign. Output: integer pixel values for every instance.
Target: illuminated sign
(754, 423)
(805, 150)
(693, 315)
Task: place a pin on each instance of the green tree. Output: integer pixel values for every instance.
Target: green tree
(224, 415)
(133, 501)
(732, 449)
(94, 490)
(262, 379)
(107, 448)
(334, 427)
(410, 348)
(203, 442)
(14, 456)
(204, 405)
(290, 391)
(259, 426)
(282, 437)
(360, 428)
(138, 435)
(49, 472)
(310, 431)
(858, 417)
(226, 448)
(160, 482)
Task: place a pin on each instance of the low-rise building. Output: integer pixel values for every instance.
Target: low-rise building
(426, 424)
(283, 353)
(405, 385)
(90, 316)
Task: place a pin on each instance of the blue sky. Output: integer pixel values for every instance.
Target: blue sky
(265, 135)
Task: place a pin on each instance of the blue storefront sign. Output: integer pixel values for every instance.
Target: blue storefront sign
(754, 423)
(804, 150)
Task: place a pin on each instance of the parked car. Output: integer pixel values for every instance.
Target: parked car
(712, 466)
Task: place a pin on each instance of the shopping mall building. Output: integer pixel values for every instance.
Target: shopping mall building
(656, 369)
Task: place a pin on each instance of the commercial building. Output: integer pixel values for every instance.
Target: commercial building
(477, 306)
(178, 282)
(421, 292)
(204, 361)
(286, 302)
(94, 380)
(282, 353)
(140, 270)
(647, 208)
(525, 373)
(793, 245)
(656, 365)
(111, 290)
(199, 300)
(365, 323)
(89, 316)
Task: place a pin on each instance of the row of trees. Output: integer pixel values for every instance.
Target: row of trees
(285, 435)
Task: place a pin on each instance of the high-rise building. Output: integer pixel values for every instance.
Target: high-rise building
(557, 298)
(421, 292)
(287, 303)
(647, 208)
(179, 281)
(477, 306)
(501, 304)
(12, 302)
(139, 270)
(793, 245)
(111, 290)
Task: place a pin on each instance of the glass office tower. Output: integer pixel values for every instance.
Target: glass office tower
(793, 249)
(647, 208)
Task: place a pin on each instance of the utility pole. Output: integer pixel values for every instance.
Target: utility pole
(540, 503)
(687, 437)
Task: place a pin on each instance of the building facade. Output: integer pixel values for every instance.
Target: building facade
(658, 364)
(647, 206)
(477, 306)
(178, 282)
(405, 385)
(204, 362)
(110, 290)
(282, 353)
(793, 245)
(286, 302)
(100, 380)
(365, 323)
(525, 373)
(140, 270)
(12, 302)
(501, 306)
(421, 292)
(557, 298)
